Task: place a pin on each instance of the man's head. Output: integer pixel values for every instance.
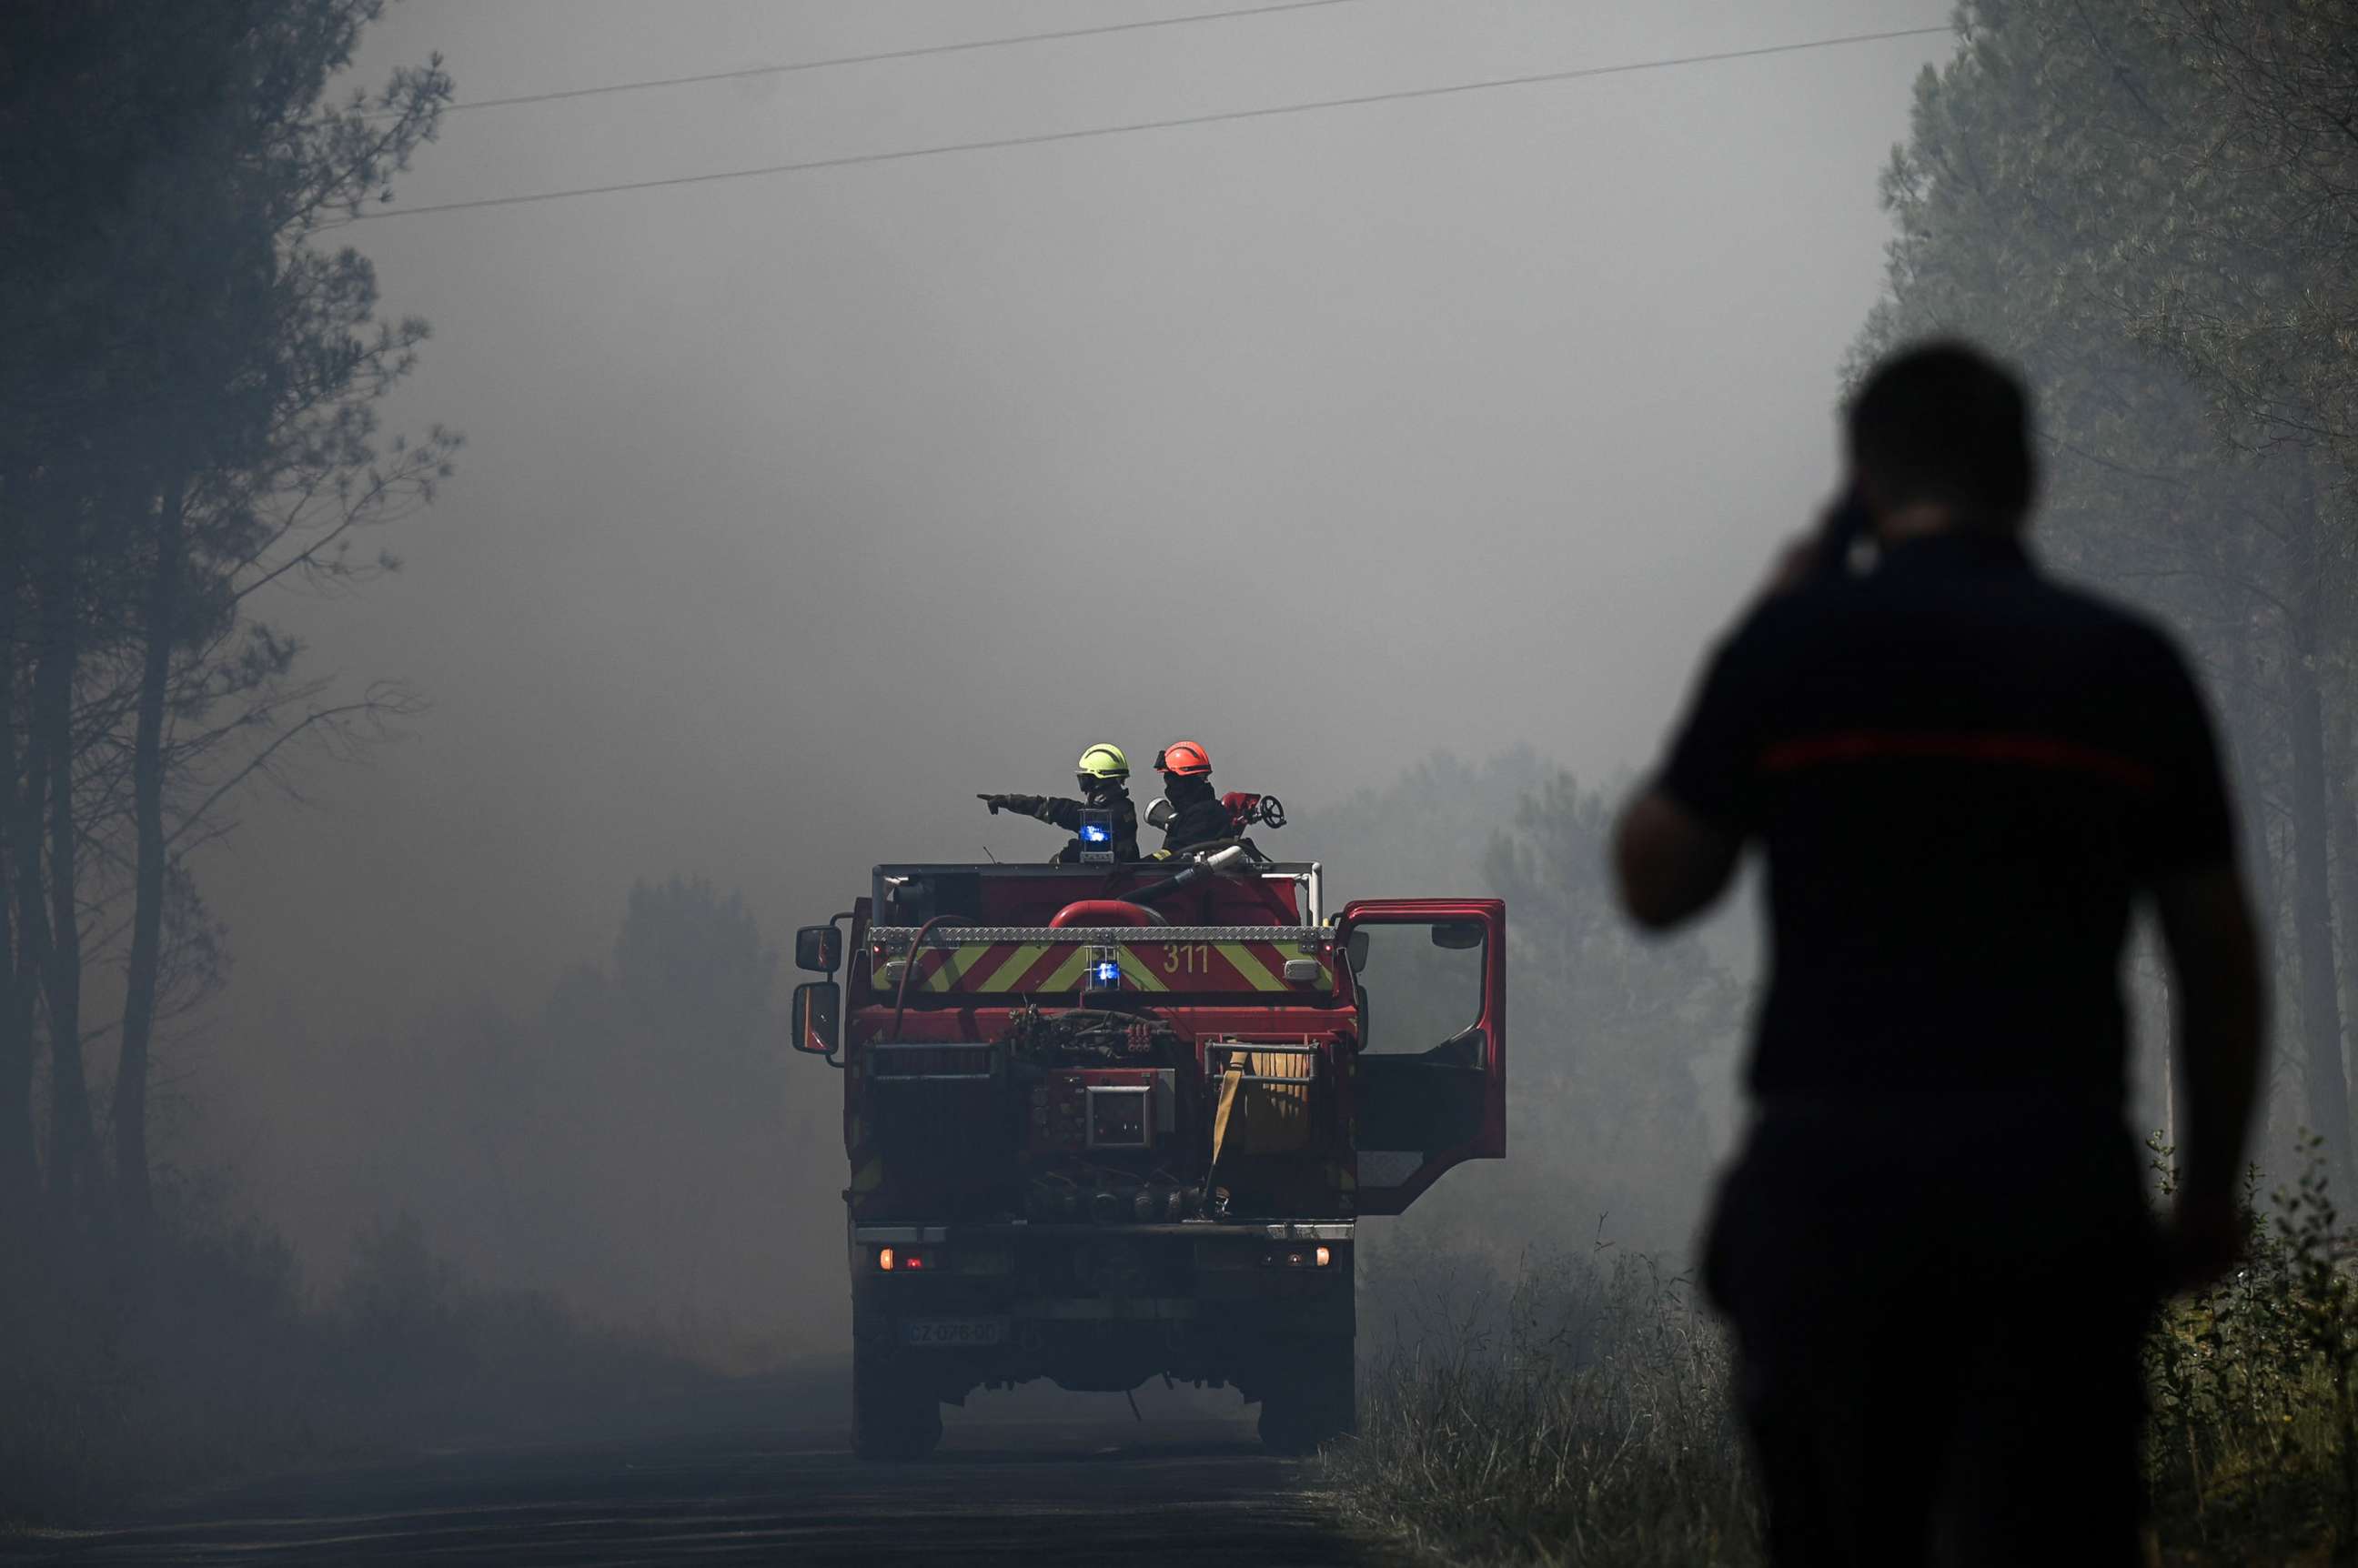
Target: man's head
(1103, 767)
(1185, 767)
(1943, 426)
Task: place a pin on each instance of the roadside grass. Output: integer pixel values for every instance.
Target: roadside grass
(1574, 1411)
(202, 1358)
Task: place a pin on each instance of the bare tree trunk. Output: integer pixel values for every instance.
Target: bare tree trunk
(20, 1174)
(72, 1144)
(2335, 633)
(131, 1174)
(2171, 1056)
(2342, 806)
(2312, 904)
(2244, 718)
(32, 955)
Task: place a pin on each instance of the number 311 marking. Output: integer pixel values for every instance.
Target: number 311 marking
(1187, 958)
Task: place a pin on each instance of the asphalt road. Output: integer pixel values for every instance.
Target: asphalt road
(1028, 1489)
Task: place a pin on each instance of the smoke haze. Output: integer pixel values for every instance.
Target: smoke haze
(797, 509)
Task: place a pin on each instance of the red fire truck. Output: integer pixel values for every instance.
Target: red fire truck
(1112, 1123)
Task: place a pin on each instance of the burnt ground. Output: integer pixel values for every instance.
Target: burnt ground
(1034, 1481)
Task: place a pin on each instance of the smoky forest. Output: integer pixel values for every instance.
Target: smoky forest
(470, 593)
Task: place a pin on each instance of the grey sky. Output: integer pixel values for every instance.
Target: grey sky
(798, 509)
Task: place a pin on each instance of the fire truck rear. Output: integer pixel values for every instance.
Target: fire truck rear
(1108, 1123)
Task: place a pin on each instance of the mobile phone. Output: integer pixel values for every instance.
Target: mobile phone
(1848, 522)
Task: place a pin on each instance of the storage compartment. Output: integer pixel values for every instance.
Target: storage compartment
(1120, 1115)
(1107, 1111)
(936, 1106)
(1264, 1095)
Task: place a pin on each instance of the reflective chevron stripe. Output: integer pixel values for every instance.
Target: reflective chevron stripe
(1240, 958)
(953, 968)
(1138, 971)
(1156, 964)
(1066, 975)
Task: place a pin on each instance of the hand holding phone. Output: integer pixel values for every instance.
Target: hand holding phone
(1825, 549)
(1846, 522)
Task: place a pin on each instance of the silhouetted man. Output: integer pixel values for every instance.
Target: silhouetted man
(1935, 1250)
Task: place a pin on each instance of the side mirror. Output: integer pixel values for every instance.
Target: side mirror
(1356, 949)
(1458, 936)
(816, 1006)
(819, 949)
(1160, 814)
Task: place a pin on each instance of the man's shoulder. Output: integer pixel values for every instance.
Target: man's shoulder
(2134, 634)
(1796, 616)
(2028, 623)
(1839, 604)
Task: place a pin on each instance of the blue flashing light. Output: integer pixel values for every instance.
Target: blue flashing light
(1106, 974)
(1095, 833)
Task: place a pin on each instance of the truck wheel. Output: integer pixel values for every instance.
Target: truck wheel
(893, 1416)
(1311, 1397)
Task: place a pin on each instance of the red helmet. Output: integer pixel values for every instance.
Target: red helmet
(1185, 757)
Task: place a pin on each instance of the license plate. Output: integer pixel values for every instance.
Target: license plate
(954, 1331)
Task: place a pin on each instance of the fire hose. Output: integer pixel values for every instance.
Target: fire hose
(1105, 911)
(909, 970)
(1218, 861)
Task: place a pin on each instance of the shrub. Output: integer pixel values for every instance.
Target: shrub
(1578, 1419)
(2254, 1432)
(1578, 1414)
(200, 1355)
(116, 1378)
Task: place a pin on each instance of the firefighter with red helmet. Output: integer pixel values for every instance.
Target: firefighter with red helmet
(1198, 814)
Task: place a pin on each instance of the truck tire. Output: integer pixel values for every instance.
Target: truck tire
(894, 1417)
(1312, 1396)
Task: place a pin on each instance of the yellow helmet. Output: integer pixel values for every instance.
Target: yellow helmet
(1103, 762)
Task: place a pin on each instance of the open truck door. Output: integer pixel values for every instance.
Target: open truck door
(1430, 1079)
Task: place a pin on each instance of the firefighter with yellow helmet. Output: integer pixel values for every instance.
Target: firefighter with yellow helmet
(1103, 822)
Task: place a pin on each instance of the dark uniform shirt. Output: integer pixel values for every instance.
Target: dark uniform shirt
(1961, 773)
(1058, 811)
(1200, 818)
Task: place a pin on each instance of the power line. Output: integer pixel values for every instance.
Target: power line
(854, 160)
(752, 71)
